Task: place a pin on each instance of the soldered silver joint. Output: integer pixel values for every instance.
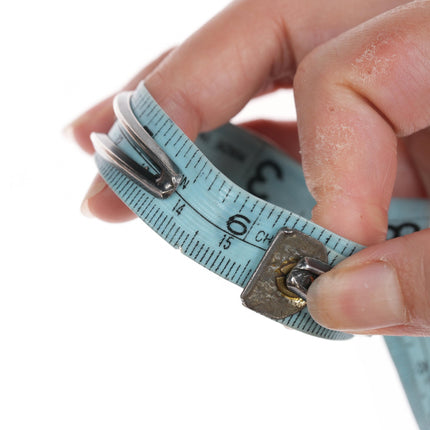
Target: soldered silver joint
(302, 275)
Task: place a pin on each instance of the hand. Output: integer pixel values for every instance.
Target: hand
(362, 89)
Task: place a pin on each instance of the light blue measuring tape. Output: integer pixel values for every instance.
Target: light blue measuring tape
(222, 201)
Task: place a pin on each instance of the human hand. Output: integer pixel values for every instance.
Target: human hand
(356, 93)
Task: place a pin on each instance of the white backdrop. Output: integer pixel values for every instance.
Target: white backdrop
(106, 326)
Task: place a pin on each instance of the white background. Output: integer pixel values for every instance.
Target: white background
(106, 326)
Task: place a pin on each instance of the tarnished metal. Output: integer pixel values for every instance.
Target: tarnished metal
(281, 280)
(268, 290)
(301, 276)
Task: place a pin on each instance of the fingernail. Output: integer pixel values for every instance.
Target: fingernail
(99, 118)
(358, 298)
(68, 133)
(97, 111)
(96, 187)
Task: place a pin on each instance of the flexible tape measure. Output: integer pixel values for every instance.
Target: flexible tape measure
(222, 201)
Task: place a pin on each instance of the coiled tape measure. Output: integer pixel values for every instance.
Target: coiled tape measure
(222, 201)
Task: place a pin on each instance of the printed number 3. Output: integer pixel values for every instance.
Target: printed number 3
(260, 176)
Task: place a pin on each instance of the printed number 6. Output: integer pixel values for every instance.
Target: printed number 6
(237, 224)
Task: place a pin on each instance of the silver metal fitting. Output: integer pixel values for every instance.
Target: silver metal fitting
(168, 178)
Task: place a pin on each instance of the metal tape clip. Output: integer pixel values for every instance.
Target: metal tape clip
(278, 287)
(161, 185)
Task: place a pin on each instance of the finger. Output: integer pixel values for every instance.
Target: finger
(244, 51)
(101, 202)
(384, 289)
(101, 117)
(354, 96)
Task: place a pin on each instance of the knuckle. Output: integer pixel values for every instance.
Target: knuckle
(304, 73)
(314, 71)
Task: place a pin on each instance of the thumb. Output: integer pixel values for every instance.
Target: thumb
(384, 289)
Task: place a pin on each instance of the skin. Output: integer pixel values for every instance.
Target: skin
(359, 70)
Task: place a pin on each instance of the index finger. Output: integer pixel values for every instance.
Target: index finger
(355, 96)
(243, 51)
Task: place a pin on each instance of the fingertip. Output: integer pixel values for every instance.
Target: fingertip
(101, 202)
(68, 133)
(99, 119)
(96, 187)
(358, 299)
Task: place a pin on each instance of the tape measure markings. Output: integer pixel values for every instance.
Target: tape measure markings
(242, 225)
(125, 187)
(227, 229)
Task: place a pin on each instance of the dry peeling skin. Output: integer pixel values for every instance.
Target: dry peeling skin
(334, 140)
(330, 158)
(388, 64)
(377, 59)
(340, 161)
(348, 143)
